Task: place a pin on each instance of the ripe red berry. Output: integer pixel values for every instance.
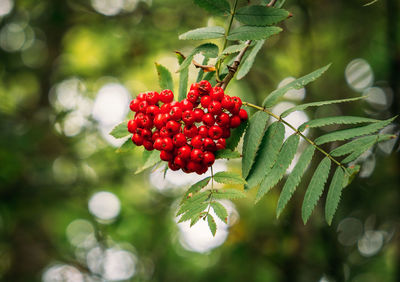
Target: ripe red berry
(137, 139)
(208, 158)
(173, 166)
(198, 115)
(193, 166)
(184, 152)
(243, 114)
(209, 144)
(215, 132)
(158, 144)
(190, 130)
(164, 132)
(196, 155)
(159, 121)
(179, 140)
(208, 119)
(223, 119)
(235, 121)
(143, 106)
(202, 169)
(132, 125)
(197, 142)
(205, 101)
(194, 86)
(134, 105)
(186, 105)
(152, 111)
(180, 162)
(221, 144)
(203, 131)
(215, 108)
(204, 87)
(175, 113)
(237, 101)
(166, 96)
(188, 117)
(165, 108)
(142, 97)
(156, 134)
(173, 126)
(167, 144)
(146, 133)
(148, 145)
(226, 133)
(217, 93)
(192, 96)
(146, 121)
(166, 156)
(152, 97)
(227, 102)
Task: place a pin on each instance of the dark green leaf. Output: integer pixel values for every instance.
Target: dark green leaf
(335, 120)
(228, 178)
(227, 154)
(360, 142)
(164, 77)
(220, 211)
(299, 83)
(269, 150)
(236, 134)
(252, 139)
(120, 130)
(210, 32)
(352, 132)
(150, 158)
(216, 7)
(260, 15)
(246, 32)
(315, 188)
(333, 198)
(249, 61)
(229, 194)
(278, 170)
(318, 104)
(211, 224)
(208, 49)
(294, 179)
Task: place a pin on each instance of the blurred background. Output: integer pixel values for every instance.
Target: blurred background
(71, 208)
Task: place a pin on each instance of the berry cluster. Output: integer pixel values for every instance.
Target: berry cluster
(186, 133)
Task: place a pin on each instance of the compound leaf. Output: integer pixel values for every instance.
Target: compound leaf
(210, 32)
(334, 193)
(225, 177)
(248, 63)
(220, 211)
(335, 120)
(246, 32)
(236, 134)
(120, 130)
(216, 7)
(257, 15)
(211, 224)
(164, 77)
(229, 194)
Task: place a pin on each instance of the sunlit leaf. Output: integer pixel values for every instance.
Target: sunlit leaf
(120, 130)
(225, 177)
(210, 32)
(249, 61)
(164, 77)
(335, 120)
(246, 32)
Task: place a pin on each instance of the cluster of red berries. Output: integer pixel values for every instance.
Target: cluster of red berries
(186, 133)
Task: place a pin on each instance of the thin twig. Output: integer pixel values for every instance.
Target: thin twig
(272, 3)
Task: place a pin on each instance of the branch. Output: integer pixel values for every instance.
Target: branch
(272, 3)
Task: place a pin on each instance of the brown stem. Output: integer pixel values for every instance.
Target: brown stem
(272, 3)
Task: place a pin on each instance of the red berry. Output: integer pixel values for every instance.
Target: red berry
(152, 111)
(132, 125)
(167, 144)
(166, 156)
(142, 97)
(152, 97)
(173, 127)
(235, 121)
(180, 162)
(205, 101)
(179, 140)
(209, 144)
(237, 101)
(202, 169)
(208, 158)
(175, 113)
(166, 96)
(215, 108)
(146, 133)
(197, 142)
(148, 145)
(186, 105)
(159, 121)
(217, 93)
(156, 134)
(215, 132)
(203, 131)
(165, 108)
(223, 119)
(221, 144)
(164, 132)
(190, 130)
(194, 86)
(143, 106)
(134, 105)
(192, 96)
(173, 166)
(137, 139)
(196, 155)
(184, 152)
(227, 102)
(208, 119)
(204, 87)
(188, 117)
(226, 133)
(158, 144)
(147, 122)
(198, 115)
(193, 166)
(243, 114)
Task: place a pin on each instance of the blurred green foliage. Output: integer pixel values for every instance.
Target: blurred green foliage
(55, 58)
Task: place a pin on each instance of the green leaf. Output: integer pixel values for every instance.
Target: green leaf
(150, 158)
(233, 49)
(318, 104)
(194, 211)
(333, 198)
(216, 7)
(248, 63)
(229, 194)
(357, 143)
(246, 32)
(260, 15)
(269, 150)
(126, 146)
(225, 177)
(183, 78)
(210, 32)
(208, 49)
(294, 179)
(352, 170)
(196, 187)
(227, 154)
(211, 224)
(195, 219)
(278, 170)
(192, 202)
(120, 130)
(201, 71)
(164, 77)
(252, 139)
(364, 146)
(236, 134)
(299, 83)
(345, 134)
(220, 211)
(335, 120)
(315, 188)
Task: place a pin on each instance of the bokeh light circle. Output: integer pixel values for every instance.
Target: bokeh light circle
(104, 205)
